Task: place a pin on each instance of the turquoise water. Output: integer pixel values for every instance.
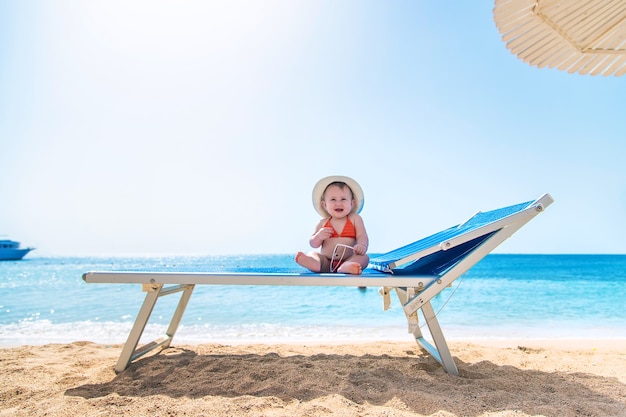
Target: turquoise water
(45, 300)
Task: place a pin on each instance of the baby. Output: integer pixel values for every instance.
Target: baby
(341, 233)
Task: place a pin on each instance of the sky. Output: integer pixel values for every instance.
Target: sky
(200, 128)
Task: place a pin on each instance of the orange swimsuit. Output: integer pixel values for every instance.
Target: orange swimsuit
(349, 232)
(348, 229)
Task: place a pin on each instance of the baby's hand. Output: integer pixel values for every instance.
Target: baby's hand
(324, 233)
(360, 249)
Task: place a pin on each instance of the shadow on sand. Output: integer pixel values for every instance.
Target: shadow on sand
(417, 380)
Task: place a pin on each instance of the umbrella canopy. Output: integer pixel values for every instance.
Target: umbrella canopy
(583, 36)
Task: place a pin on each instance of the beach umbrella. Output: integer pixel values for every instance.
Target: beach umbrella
(577, 36)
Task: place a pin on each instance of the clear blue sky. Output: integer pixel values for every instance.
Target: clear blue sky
(153, 127)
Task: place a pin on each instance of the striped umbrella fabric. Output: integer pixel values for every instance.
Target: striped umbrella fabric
(577, 36)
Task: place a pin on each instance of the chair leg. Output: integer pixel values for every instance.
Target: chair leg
(138, 328)
(442, 352)
(178, 314)
(404, 295)
(130, 351)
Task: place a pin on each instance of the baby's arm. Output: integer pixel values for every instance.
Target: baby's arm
(362, 240)
(320, 235)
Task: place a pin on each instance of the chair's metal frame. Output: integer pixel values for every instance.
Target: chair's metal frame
(415, 292)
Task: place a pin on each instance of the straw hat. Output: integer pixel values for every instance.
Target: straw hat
(320, 187)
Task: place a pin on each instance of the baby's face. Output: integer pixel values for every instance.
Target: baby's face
(338, 201)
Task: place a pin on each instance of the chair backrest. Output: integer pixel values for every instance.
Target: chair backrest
(435, 254)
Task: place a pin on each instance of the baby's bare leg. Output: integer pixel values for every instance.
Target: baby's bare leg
(310, 261)
(354, 265)
(352, 268)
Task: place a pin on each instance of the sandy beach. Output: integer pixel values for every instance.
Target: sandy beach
(502, 378)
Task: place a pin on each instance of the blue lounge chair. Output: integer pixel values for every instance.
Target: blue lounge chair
(417, 272)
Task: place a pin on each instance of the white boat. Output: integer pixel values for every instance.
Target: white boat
(10, 250)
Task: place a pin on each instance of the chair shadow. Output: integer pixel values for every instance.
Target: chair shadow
(416, 379)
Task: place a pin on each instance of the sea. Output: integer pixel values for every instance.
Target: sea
(505, 296)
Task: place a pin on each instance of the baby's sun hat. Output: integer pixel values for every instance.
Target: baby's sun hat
(320, 187)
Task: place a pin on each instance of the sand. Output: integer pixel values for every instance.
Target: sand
(505, 378)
